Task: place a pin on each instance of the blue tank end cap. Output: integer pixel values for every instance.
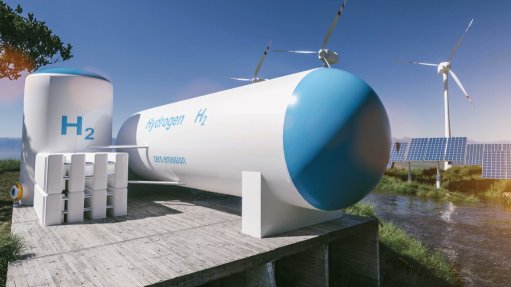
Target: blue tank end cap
(336, 139)
(71, 71)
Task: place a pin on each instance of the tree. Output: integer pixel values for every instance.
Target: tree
(27, 43)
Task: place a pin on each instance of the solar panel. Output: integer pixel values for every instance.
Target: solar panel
(435, 149)
(494, 163)
(417, 149)
(507, 160)
(400, 151)
(397, 153)
(493, 147)
(456, 149)
(474, 155)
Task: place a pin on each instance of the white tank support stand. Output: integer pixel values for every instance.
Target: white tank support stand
(117, 184)
(263, 214)
(69, 185)
(75, 170)
(95, 187)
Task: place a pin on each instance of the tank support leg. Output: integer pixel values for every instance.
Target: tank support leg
(263, 214)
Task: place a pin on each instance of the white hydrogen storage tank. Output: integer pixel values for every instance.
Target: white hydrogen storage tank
(320, 138)
(64, 110)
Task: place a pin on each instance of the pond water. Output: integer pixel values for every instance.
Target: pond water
(476, 237)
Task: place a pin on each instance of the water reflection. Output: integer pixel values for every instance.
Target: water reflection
(475, 236)
(447, 212)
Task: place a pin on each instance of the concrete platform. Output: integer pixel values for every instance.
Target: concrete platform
(183, 238)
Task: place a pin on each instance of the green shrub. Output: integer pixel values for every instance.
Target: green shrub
(466, 179)
(497, 188)
(396, 185)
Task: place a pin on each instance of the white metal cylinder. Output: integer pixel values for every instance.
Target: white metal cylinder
(65, 110)
(320, 138)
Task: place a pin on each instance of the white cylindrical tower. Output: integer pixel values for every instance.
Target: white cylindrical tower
(320, 138)
(64, 110)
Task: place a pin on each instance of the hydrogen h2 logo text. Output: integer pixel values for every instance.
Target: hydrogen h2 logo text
(201, 117)
(77, 125)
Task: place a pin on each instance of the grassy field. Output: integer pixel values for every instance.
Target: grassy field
(459, 183)
(405, 260)
(11, 246)
(9, 165)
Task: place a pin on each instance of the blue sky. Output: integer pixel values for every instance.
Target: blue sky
(156, 52)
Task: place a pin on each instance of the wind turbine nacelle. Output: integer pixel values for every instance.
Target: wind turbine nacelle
(320, 138)
(443, 68)
(257, 80)
(328, 55)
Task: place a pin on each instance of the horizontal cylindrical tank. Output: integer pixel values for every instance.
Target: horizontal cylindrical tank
(64, 110)
(320, 138)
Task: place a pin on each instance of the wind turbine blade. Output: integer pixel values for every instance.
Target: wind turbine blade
(453, 75)
(296, 52)
(262, 60)
(334, 23)
(455, 49)
(326, 62)
(241, 79)
(421, 63)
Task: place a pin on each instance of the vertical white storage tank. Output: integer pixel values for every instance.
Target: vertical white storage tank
(64, 110)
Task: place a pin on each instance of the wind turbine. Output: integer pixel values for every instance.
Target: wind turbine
(256, 79)
(326, 56)
(445, 69)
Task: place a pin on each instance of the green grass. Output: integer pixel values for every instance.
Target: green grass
(361, 209)
(496, 189)
(396, 185)
(391, 184)
(11, 246)
(459, 184)
(398, 240)
(404, 259)
(462, 197)
(9, 165)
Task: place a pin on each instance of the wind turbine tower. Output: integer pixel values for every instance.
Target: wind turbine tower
(445, 69)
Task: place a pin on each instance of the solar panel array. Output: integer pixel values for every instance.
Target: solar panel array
(474, 155)
(456, 147)
(495, 159)
(417, 150)
(496, 164)
(435, 149)
(397, 153)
